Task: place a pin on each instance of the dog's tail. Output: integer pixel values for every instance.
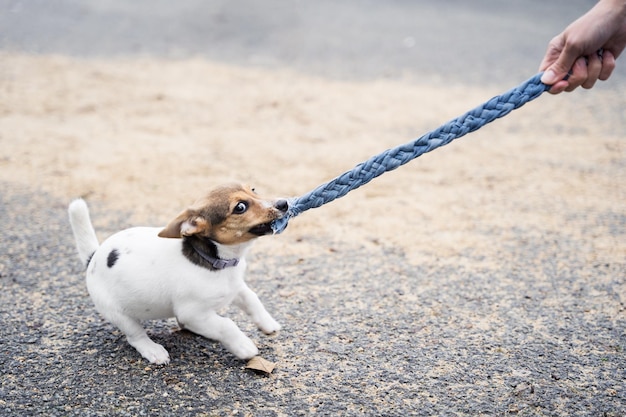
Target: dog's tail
(84, 233)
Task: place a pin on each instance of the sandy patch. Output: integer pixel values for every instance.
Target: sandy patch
(147, 136)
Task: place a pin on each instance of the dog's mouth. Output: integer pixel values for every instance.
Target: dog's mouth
(281, 207)
(262, 229)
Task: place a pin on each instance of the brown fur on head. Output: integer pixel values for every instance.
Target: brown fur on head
(229, 214)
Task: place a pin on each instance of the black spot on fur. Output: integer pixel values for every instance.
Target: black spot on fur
(112, 258)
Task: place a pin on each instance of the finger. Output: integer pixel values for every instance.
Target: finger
(594, 66)
(559, 69)
(578, 74)
(553, 72)
(558, 87)
(608, 65)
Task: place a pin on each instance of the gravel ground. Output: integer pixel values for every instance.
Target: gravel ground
(538, 332)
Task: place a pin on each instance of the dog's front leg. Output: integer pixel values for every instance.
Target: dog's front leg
(215, 327)
(249, 302)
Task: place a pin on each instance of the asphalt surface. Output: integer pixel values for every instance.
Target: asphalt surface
(538, 332)
(370, 336)
(464, 42)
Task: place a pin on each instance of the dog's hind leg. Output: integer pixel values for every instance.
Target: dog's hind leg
(213, 326)
(137, 337)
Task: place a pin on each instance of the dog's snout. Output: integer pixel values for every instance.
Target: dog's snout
(282, 205)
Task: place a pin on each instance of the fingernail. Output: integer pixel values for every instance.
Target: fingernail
(549, 77)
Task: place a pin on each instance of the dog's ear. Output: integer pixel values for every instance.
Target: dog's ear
(186, 223)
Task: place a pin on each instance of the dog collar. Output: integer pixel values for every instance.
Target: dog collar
(217, 263)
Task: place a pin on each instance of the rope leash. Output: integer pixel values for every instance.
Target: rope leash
(391, 159)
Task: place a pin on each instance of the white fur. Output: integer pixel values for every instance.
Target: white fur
(84, 234)
(152, 279)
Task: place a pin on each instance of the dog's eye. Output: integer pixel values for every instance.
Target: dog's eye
(240, 208)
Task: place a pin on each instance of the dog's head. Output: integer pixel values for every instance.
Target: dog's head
(229, 215)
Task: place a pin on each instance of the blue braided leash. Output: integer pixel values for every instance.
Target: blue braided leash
(391, 159)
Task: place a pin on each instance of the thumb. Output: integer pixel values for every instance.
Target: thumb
(559, 70)
(550, 77)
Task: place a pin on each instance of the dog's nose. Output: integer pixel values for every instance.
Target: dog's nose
(282, 205)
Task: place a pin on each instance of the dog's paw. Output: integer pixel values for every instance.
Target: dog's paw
(155, 353)
(269, 326)
(243, 348)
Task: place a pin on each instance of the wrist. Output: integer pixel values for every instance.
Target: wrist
(614, 5)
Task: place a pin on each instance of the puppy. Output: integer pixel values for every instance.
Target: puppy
(188, 270)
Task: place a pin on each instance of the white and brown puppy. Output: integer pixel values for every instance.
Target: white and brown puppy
(188, 270)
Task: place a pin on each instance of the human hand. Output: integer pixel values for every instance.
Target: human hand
(587, 48)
